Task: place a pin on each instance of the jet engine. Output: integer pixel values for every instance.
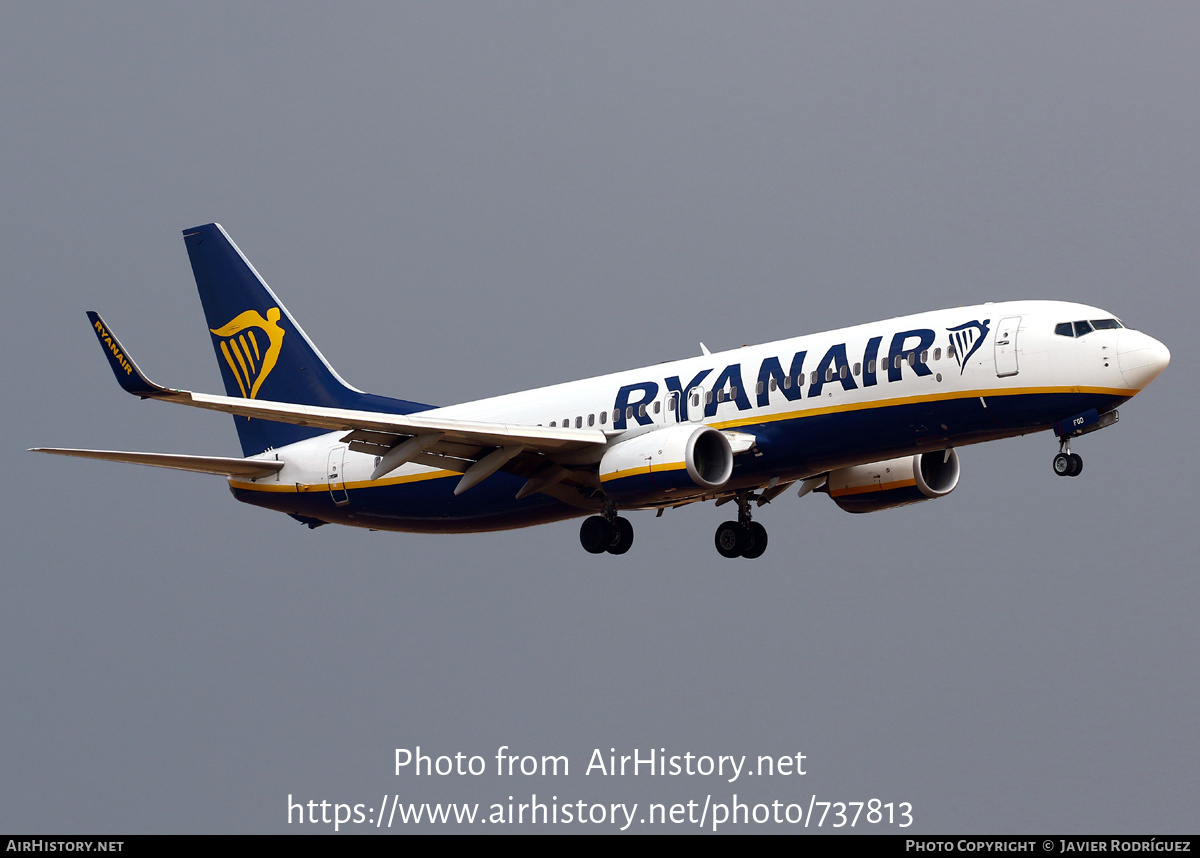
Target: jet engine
(678, 461)
(895, 482)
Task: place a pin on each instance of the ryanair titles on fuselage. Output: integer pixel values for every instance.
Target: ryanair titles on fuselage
(907, 348)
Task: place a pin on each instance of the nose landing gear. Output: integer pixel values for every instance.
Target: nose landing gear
(1066, 463)
(741, 538)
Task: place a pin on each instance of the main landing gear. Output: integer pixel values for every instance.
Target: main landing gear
(1066, 463)
(741, 538)
(606, 532)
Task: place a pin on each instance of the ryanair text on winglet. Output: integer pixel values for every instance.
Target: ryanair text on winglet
(106, 338)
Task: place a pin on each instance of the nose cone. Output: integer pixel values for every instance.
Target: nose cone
(1141, 358)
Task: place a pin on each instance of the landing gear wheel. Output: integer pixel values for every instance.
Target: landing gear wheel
(1076, 465)
(622, 536)
(756, 536)
(596, 535)
(1063, 464)
(731, 539)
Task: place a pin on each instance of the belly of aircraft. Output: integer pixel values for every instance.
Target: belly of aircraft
(789, 449)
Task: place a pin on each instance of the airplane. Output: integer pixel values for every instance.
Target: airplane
(870, 415)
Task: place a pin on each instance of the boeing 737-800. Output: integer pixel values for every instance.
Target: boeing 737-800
(870, 415)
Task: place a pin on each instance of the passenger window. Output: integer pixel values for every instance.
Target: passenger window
(912, 358)
(591, 419)
(871, 366)
(641, 411)
(896, 362)
(857, 369)
(708, 398)
(553, 423)
(657, 407)
(720, 395)
(950, 352)
(733, 392)
(925, 356)
(1065, 329)
(695, 400)
(628, 412)
(812, 379)
(579, 422)
(937, 354)
(758, 388)
(787, 382)
(843, 372)
(603, 417)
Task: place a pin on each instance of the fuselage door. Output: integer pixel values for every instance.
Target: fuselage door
(1006, 345)
(671, 408)
(695, 404)
(337, 477)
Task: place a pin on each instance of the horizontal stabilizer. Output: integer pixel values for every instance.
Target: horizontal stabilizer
(228, 467)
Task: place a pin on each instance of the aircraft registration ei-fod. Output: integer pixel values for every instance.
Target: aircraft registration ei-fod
(870, 415)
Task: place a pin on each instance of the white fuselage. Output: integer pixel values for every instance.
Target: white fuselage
(1006, 350)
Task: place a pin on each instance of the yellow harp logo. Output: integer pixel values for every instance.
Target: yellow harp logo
(251, 345)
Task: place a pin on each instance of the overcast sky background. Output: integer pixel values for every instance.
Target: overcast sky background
(460, 200)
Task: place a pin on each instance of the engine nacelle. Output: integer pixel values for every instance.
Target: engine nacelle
(679, 461)
(896, 482)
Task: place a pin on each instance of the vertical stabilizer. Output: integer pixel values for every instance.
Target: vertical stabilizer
(261, 350)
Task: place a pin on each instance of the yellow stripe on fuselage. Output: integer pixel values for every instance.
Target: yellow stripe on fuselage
(725, 424)
(912, 400)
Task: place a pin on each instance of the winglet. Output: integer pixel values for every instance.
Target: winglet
(127, 373)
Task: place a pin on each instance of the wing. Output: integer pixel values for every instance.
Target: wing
(475, 449)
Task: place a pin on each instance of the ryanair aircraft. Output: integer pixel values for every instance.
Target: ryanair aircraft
(870, 415)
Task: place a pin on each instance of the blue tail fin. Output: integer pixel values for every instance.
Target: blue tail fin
(263, 353)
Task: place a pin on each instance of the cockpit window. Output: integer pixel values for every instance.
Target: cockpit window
(1078, 329)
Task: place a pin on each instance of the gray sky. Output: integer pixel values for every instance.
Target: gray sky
(460, 200)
